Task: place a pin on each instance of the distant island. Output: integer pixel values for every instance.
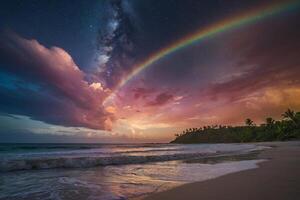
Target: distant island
(286, 129)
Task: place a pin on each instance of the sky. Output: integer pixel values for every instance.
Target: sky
(141, 71)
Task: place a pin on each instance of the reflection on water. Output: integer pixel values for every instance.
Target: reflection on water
(111, 182)
(72, 171)
(49, 156)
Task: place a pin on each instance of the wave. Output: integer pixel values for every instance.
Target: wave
(97, 157)
(8, 148)
(99, 148)
(84, 162)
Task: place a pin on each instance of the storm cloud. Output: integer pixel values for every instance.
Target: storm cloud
(60, 96)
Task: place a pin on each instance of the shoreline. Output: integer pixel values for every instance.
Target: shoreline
(276, 178)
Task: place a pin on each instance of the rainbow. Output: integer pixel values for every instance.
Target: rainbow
(214, 29)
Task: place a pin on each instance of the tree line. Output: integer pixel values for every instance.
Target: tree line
(272, 130)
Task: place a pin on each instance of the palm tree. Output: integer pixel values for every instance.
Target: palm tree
(270, 121)
(290, 115)
(297, 119)
(249, 122)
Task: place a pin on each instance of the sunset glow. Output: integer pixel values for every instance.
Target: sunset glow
(122, 73)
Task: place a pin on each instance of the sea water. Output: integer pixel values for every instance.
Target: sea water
(109, 171)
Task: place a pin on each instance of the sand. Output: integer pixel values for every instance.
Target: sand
(277, 178)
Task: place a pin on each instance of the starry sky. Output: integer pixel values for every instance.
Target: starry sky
(60, 60)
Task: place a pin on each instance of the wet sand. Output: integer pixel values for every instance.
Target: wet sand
(277, 178)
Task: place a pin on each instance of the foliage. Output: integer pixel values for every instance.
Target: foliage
(286, 129)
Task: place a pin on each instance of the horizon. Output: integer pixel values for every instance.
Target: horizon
(56, 139)
(132, 72)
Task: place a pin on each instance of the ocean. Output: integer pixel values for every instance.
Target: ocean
(110, 171)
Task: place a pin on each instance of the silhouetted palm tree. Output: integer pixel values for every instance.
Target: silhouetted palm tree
(271, 130)
(270, 121)
(291, 115)
(297, 117)
(249, 122)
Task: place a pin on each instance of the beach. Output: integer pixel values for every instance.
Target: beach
(277, 178)
(114, 171)
(151, 171)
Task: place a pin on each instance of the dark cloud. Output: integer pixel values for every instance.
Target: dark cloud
(161, 99)
(62, 96)
(29, 137)
(142, 92)
(268, 57)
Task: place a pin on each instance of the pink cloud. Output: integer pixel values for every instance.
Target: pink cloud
(161, 99)
(54, 70)
(141, 92)
(267, 59)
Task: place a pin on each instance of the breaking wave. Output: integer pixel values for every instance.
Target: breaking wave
(92, 156)
(84, 162)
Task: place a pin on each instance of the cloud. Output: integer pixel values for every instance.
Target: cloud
(111, 109)
(161, 99)
(62, 95)
(268, 57)
(96, 86)
(261, 79)
(267, 82)
(141, 92)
